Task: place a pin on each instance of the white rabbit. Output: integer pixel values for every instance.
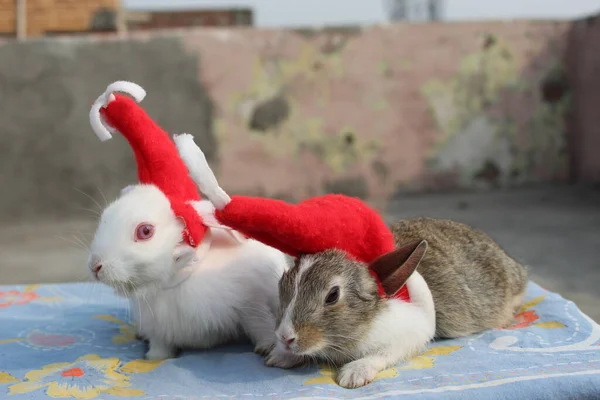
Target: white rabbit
(191, 286)
(184, 297)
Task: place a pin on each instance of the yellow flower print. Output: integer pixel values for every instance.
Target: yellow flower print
(328, 376)
(426, 360)
(86, 378)
(6, 378)
(422, 361)
(526, 318)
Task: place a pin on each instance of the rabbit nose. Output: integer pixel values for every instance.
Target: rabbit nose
(96, 269)
(95, 265)
(289, 340)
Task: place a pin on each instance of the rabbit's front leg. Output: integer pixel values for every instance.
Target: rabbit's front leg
(160, 350)
(258, 322)
(361, 372)
(281, 359)
(390, 341)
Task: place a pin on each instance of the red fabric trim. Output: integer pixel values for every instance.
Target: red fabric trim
(327, 222)
(401, 294)
(194, 226)
(332, 221)
(158, 161)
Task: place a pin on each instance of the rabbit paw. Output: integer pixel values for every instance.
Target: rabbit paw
(160, 351)
(280, 359)
(264, 349)
(356, 374)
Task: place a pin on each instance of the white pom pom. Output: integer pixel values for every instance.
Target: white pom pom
(133, 89)
(100, 128)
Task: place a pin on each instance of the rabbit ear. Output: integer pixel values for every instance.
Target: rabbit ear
(127, 189)
(395, 267)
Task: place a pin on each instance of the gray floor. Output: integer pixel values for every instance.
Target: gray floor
(555, 231)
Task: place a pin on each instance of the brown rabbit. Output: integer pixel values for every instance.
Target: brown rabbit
(475, 285)
(460, 282)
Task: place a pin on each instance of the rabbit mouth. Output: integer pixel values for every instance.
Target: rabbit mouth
(125, 289)
(306, 351)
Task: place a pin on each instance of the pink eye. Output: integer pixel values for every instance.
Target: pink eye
(144, 232)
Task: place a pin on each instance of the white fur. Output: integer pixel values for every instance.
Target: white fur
(231, 291)
(206, 210)
(286, 327)
(401, 331)
(127, 189)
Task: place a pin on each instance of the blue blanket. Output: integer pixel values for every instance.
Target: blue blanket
(76, 341)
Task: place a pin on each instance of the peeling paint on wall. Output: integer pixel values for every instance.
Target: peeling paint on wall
(482, 139)
(474, 88)
(290, 114)
(270, 108)
(58, 166)
(398, 108)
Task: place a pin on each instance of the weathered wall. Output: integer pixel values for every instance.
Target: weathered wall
(48, 153)
(583, 66)
(294, 113)
(371, 112)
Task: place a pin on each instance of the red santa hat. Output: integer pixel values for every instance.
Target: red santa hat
(332, 221)
(157, 159)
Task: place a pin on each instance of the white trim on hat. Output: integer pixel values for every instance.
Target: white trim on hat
(200, 171)
(99, 126)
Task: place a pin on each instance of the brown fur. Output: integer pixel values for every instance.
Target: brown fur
(395, 267)
(309, 337)
(474, 283)
(335, 329)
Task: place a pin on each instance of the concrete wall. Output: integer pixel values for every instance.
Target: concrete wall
(292, 114)
(48, 153)
(387, 109)
(583, 66)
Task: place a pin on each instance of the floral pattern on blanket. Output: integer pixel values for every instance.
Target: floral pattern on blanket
(58, 341)
(422, 361)
(13, 297)
(85, 378)
(527, 317)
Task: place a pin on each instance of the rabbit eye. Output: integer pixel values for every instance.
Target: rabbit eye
(144, 232)
(333, 296)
